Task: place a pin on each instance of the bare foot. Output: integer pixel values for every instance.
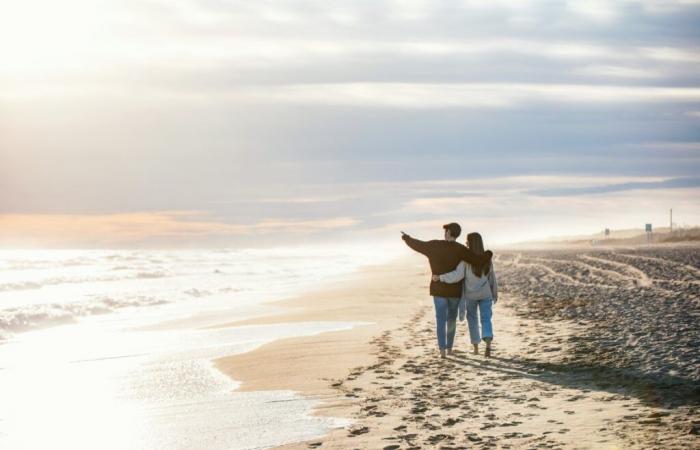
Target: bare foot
(442, 353)
(487, 353)
(449, 351)
(476, 349)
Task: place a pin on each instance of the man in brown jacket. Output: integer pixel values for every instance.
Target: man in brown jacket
(444, 256)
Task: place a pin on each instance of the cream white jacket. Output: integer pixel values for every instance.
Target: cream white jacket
(474, 288)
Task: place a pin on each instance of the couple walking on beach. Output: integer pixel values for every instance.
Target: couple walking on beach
(462, 279)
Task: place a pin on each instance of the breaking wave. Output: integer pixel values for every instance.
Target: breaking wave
(15, 320)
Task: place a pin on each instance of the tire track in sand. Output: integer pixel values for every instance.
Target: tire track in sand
(639, 277)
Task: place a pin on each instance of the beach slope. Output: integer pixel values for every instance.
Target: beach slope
(538, 391)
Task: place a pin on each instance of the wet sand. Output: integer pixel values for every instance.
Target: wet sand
(579, 361)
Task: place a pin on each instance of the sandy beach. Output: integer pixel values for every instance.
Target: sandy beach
(593, 349)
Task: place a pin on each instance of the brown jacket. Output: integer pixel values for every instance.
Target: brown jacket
(445, 256)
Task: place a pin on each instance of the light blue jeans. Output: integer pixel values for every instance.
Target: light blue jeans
(446, 320)
(484, 307)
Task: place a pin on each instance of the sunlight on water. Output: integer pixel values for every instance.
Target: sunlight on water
(106, 349)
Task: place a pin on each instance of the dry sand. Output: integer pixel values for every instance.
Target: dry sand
(552, 382)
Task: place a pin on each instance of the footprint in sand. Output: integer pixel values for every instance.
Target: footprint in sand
(451, 421)
(439, 438)
(358, 431)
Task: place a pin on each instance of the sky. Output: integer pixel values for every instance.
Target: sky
(168, 123)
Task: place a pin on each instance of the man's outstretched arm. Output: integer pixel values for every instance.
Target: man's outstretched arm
(417, 245)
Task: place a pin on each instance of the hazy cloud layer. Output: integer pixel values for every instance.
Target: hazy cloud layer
(336, 117)
(685, 182)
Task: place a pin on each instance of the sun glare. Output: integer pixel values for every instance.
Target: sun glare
(40, 38)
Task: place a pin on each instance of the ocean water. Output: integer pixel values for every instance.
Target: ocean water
(113, 349)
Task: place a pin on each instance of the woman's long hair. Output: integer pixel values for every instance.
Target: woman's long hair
(476, 245)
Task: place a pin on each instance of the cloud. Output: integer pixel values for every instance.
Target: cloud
(473, 95)
(408, 95)
(507, 210)
(688, 147)
(303, 226)
(167, 228)
(683, 182)
(621, 71)
(316, 117)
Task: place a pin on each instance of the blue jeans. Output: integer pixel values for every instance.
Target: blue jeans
(484, 307)
(446, 320)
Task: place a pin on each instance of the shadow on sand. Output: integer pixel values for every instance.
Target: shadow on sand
(665, 391)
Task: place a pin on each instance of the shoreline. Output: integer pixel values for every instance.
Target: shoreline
(394, 293)
(315, 366)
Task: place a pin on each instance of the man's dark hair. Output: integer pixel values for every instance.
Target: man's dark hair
(454, 229)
